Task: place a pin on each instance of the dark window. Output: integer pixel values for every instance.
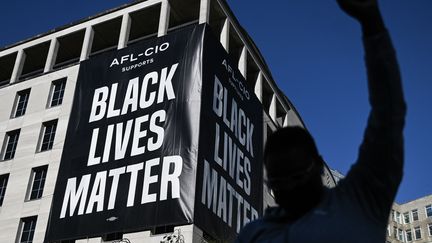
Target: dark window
(418, 234)
(57, 92)
(429, 211)
(69, 49)
(3, 184)
(48, 134)
(406, 218)
(35, 60)
(21, 101)
(430, 229)
(408, 235)
(10, 144)
(7, 64)
(415, 215)
(28, 226)
(400, 235)
(106, 35)
(38, 181)
(113, 236)
(162, 229)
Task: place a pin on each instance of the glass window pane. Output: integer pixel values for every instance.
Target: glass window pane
(406, 218)
(11, 141)
(58, 88)
(415, 215)
(417, 231)
(49, 129)
(429, 210)
(28, 226)
(3, 184)
(21, 103)
(39, 176)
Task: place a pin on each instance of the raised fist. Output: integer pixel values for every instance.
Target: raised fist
(366, 12)
(362, 10)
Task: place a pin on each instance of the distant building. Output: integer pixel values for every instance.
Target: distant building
(408, 222)
(411, 221)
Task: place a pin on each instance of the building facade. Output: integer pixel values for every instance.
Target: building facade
(38, 78)
(411, 221)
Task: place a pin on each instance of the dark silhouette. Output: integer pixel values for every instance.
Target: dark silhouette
(357, 209)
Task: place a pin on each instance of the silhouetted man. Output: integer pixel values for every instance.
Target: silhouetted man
(357, 209)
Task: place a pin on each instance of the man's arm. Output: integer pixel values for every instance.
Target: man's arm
(374, 179)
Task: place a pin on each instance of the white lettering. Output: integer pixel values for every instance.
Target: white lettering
(98, 109)
(73, 196)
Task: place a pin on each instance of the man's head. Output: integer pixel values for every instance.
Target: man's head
(294, 169)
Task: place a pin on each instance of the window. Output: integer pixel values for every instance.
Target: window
(47, 135)
(400, 235)
(415, 215)
(37, 180)
(430, 229)
(3, 184)
(406, 218)
(116, 237)
(27, 229)
(408, 235)
(395, 232)
(398, 218)
(417, 231)
(21, 101)
(162, 229)
(10, 144)
(57, 92)
(428, 211)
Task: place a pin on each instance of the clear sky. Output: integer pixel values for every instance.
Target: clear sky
(315, 54)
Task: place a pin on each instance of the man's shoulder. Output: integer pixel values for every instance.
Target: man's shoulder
(254, 230)
(261, 228)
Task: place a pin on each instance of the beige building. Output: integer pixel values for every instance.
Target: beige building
(411, 221)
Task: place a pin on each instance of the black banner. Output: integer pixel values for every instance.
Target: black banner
(163, 132)
(129, 159)
(229, 177)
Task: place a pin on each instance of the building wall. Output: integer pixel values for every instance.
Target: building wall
(15, 205)
(424, 222)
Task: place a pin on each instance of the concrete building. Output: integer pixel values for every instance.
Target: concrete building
(411, 221)
(37, 85)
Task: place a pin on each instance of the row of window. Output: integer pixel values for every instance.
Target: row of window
(38, 175)
(27, 228)
(409, 234)
(55, 98)
(410, 216)
(46, 140)
(36, 184)
(48, 128)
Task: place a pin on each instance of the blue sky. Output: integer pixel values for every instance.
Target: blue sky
(315, 54)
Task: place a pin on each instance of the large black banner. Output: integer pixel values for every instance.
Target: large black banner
(163, 132)
(229, 176)
(130, 155)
